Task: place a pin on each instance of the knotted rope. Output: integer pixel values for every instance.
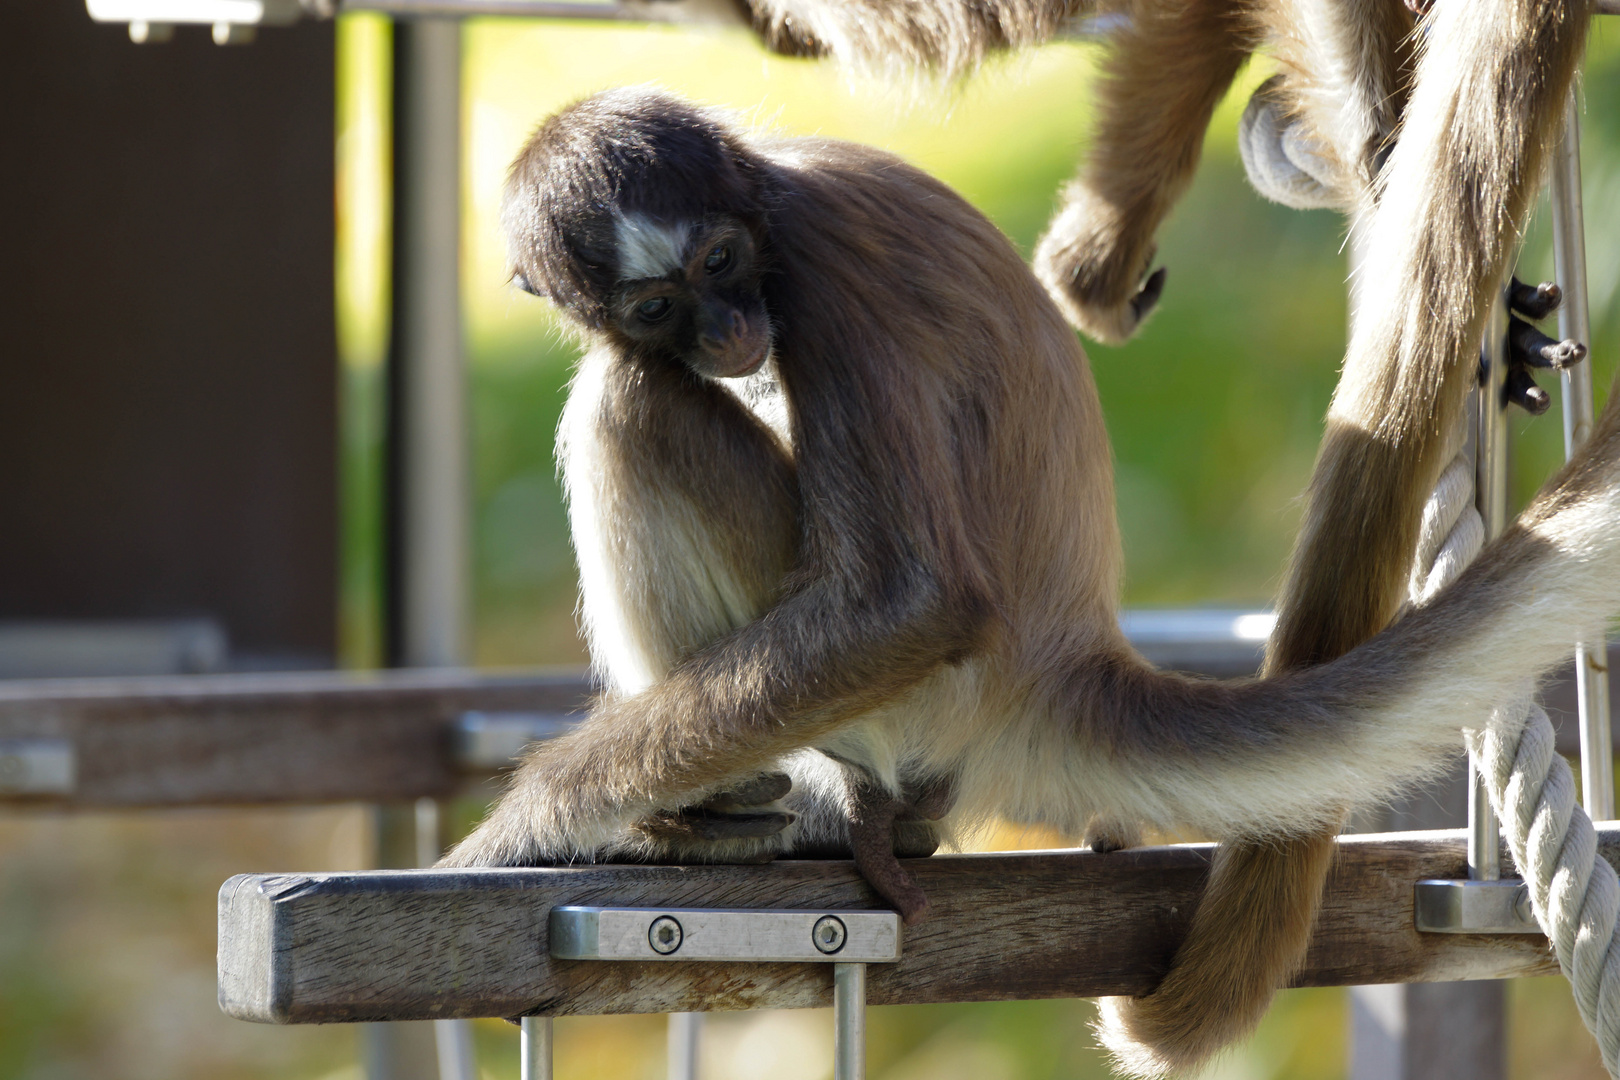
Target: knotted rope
(1573, 891)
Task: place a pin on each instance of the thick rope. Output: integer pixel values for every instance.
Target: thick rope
(1573, 891)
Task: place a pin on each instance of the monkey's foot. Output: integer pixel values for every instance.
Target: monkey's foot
(1098, 277)
(1529, 348)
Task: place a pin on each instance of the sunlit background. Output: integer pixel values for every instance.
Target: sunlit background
(106, 946)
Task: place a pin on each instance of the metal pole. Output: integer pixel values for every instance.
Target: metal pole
(535, 1048)
(849, 1022)
(428, 454)
(1575, 321)
(685, 1041)
(427, 430)
(1490, 465)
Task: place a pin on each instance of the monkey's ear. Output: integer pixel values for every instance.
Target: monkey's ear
(521, 280)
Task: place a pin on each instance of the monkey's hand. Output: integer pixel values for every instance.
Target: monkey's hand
(740, 825)
(545, 820)
(1529, 348)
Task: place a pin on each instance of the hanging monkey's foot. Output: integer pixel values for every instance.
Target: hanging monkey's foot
(1529, 348)
(1096, 265)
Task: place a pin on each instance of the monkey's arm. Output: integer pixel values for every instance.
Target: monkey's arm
(1167, 69)
(863, 616)
(785, 680)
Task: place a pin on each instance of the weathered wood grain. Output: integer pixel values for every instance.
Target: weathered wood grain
(415, 944)
(323, 736)
(293, 738)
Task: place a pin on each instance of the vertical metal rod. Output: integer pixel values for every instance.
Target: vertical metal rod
(534, 1051)
(849, 1022)
(1575, 321)
(1490, 487)
(685, 1041)
(428, 451)
(427, 431)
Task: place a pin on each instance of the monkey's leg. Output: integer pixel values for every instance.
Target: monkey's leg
(1165, 73)
(1485, 103)
(1346, 68)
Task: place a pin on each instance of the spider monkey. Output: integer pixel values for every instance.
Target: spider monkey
(839, 483)
(1348, 73)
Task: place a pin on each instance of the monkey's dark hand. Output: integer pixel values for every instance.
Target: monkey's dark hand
(719, 828)
(1529, 348)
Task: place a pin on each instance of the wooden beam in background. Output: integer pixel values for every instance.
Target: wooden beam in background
(299, 738)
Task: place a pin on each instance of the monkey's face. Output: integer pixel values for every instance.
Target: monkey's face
(690, 291)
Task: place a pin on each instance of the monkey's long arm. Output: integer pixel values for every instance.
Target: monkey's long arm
(1166, 70)
(1485, 103)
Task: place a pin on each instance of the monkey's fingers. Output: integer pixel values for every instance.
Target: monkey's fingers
(759, 791)
(1147, 297)
(701, 823)
(1530, 346)
(1521, 390)
(1534, 301)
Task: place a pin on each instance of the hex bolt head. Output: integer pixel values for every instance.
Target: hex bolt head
(664, 935)
(828, 934)
(1521, 904)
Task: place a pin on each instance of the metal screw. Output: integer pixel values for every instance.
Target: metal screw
(828, 934)
(664, 935)
(1521, 904)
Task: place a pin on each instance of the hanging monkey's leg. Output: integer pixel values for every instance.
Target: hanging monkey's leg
(1486, 103)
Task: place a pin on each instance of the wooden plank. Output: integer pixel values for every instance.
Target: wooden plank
(293, 738)
(417, 944)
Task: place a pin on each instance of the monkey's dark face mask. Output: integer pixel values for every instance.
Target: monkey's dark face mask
(691, 293)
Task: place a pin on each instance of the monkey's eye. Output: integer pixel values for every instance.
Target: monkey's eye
(717, 260)
(654, 309)
(521, 280)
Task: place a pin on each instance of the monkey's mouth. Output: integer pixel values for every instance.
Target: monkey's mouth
(741, 361)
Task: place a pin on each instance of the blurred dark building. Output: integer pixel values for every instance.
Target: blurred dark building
(168, 357)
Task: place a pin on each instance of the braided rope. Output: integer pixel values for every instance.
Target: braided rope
(1573, 891)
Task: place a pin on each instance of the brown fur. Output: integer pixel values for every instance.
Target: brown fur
(950, 607)
(1393, 428)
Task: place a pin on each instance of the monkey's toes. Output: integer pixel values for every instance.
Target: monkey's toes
(1531, 347)
(1534, 301)
(1521, 390)
(1147, 297)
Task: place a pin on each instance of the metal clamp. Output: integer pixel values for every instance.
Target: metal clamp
(1446, 906)
(724, 934)
(849, 940)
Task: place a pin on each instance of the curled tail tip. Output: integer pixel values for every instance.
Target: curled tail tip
(1119, 1028)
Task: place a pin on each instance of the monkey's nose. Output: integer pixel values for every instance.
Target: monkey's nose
(723, 333)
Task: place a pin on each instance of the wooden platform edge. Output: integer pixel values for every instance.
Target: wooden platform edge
(421, 944)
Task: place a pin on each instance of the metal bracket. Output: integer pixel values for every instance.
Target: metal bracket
(726, 934)
(481, 741)
(36, 767)
(1446, 906)
(849, 940)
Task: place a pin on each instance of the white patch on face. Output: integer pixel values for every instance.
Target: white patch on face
(648, 249)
